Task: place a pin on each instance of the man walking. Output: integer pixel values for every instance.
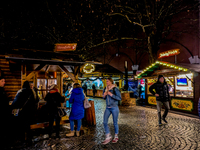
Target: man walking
(161, 91)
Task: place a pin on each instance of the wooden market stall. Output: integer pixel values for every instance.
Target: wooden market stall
(183, 82)
(42, 72)
(98, 77)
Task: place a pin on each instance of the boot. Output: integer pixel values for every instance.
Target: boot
(165, 113)
(77, 133)
(159, 118)
(70, 134)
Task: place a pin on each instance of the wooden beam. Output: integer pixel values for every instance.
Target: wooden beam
(32, 74)
(47, 68)
(23, 74)
(77, 70)
(71, 75)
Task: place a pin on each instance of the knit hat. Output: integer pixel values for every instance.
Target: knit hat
(53, 87)
(160, 76)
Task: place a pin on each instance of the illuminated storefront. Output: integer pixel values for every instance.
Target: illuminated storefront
(182, 80)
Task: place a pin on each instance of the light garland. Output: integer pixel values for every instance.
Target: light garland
(161, 63)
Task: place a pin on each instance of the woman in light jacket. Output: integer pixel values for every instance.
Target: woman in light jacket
(112, 95)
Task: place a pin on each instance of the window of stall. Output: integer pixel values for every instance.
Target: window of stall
(94, 81)
(184, 85)
(43, 84)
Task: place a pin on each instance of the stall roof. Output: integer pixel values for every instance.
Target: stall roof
(49, 61)
(168, 68)
(106, 68)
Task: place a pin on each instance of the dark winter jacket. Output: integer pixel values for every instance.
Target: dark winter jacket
(77, 99)
(54, 100)
(5, 110)
(161, 89)
(25, 98)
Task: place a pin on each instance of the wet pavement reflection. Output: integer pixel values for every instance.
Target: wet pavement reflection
(138, 129)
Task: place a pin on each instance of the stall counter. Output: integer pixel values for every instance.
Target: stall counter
(99, 93)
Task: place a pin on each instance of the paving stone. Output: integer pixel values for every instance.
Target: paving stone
(138, 129)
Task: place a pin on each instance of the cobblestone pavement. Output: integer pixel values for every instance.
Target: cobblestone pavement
(138, 129)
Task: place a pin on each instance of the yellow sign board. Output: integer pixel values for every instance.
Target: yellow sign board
(94, 74)
(152, 100)
(182, 104)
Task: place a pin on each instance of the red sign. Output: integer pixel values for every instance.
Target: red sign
(169, 53)
(65, 47)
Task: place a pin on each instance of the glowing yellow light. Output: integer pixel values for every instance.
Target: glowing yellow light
(88, 68)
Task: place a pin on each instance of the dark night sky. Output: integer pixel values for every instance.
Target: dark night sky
(41, 24)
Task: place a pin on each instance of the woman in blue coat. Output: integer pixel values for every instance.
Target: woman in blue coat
(77, 111)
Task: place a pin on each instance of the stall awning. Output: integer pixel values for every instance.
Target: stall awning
(49, 61)
(161, 67)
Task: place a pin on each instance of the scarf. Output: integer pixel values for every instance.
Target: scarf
(53, 91)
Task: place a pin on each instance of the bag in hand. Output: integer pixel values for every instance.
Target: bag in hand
(86, 103)
(61, 112)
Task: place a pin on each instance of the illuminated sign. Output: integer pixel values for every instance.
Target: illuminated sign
(152, 100)
(88, 68)
(169, 53)
(65, 47)
(182, 104)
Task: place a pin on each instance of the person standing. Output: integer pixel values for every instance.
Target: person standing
(77, 111)
(94, 90)
(5, 114)
(35, 93)
(161, 91)
(85, 88)
(26, 101)
(112, 96)
(54, 100)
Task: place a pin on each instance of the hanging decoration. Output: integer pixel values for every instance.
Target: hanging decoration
(88, 68)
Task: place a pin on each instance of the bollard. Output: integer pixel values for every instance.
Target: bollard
(90, 114)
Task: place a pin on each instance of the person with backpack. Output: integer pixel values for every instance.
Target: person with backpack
(161, 91)
(54, 100)
(25, 102)
(112, 96)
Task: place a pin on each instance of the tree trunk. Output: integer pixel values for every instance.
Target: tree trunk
(151, 57)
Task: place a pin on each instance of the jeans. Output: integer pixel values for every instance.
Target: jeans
(78, 125)
(159, 107)
(115, 112)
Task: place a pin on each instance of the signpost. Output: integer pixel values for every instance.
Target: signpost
(65, 47)
(173, 52)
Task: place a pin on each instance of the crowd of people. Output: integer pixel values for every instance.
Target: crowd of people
(25, 104)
